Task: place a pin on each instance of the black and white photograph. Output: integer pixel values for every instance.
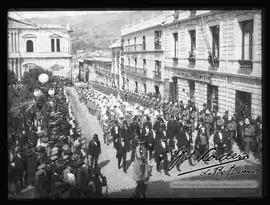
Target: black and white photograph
(134, 104)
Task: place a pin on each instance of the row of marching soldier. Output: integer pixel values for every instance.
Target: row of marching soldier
(176, 123)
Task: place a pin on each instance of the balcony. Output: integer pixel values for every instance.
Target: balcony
(213, 61)
(156, 75)
(135, 71)
(191, 60)
(245, 66)
(134, 48)
(175, 61)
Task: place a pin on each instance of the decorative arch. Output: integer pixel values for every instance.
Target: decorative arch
(56, 67)
(29, 66)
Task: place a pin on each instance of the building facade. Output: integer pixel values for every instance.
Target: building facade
(98, 69)
(44, 46)
(116, 71)
(215, 58)
(142, 60)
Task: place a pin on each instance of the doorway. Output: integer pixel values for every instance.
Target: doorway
(157, 90)
(173, 90)
(242, 104)
(191, 84)
(212, 97)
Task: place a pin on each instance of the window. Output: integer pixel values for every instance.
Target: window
(215, 40)
(144, 63)
(192, 35)
(128, 61)
(55, 43)
(145, 90)
(136, 86)
(29, 46)
(175, 38)
(157, 39)
(58, 45)
(135, 62)
(157, 66)
(135, 43)
(143, 42)
(247, 38)
(52, 45)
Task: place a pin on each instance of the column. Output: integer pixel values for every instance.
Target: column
(12, 66)
(17, 71)
(200, 94)
(15, 43)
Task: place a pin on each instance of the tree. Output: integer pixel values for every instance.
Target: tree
(12, 78)
(30, 81)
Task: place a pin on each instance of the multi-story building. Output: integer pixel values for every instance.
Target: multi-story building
(142, 61)
(116, 71)
(99, 69)
(45, 46)
(215, 58)
(212, 56)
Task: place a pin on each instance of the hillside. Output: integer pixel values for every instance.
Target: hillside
(95, 31)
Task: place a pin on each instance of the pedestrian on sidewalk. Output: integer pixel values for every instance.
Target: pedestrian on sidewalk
(94, 150)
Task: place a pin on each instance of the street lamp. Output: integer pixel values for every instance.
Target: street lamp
(44, 91)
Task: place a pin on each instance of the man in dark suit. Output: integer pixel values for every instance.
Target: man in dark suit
(115, 132)
(121, 153)
(185, 139)
(161, 153)
(148, 137)
(219, 138)
(94, 150)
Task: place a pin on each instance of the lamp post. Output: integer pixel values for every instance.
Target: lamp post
(43, 92)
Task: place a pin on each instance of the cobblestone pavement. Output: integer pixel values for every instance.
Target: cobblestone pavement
(121, 184)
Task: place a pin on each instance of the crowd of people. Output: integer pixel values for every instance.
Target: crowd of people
(53, 161)
(164, 126)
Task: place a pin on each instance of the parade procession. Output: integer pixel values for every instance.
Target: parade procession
(137, 116)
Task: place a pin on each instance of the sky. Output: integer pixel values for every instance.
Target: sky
(44, 14)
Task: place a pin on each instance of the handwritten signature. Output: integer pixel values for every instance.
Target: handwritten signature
(183, 154)
(220, 172)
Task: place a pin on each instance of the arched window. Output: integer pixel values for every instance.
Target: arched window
(29, 46)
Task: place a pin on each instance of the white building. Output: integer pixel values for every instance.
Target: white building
(45, 46)
(143, 56)
(212, 56)
(231, 80)
(116, 65)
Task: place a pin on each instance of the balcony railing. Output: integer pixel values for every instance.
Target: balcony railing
(192, 62)
(213, 61)
(245, 66)
(134, 48)
(157, 75)
(135, 70)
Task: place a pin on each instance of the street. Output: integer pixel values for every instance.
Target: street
(122, 185)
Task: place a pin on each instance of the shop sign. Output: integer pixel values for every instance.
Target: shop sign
(194, 76)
